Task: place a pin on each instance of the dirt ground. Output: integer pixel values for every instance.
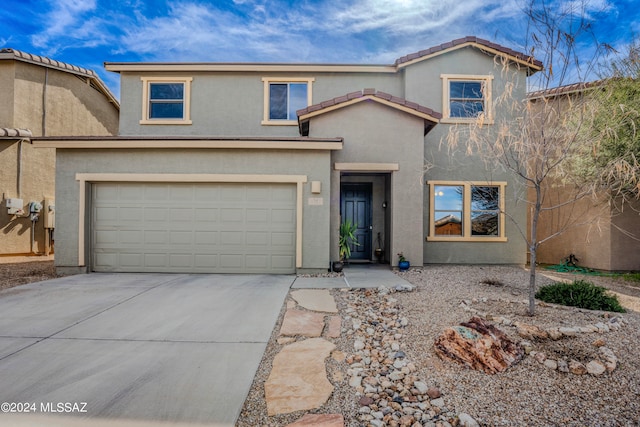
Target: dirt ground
(16, 271)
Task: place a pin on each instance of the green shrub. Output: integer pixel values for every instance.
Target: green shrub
(632, 277)
(580, 294)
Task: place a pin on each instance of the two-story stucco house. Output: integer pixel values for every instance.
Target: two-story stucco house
(251, 167)
(41, 97)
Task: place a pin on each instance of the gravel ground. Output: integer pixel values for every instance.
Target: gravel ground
(16, 271)
(527, 394)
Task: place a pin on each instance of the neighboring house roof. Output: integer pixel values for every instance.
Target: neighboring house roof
(486, 46)
(94, 80)
(564, 90)
(449, 219)
(476, 42)
(431, 117)
(15, 133)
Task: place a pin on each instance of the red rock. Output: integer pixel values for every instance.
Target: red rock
(577, 368)
(478, 345)
(365, 401)
(406, 420)
(531, 332)
(433, 392)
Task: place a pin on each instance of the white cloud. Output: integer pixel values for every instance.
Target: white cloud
(588, 8)
(197, 32)
(64, 17)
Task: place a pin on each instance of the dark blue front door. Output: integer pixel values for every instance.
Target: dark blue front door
(356, 207)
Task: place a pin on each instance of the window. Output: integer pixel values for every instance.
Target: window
(283, 97)
(467, 211)
(166, 100)
(448, 210)
(466, 98)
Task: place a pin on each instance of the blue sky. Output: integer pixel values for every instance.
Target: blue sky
(89, 32)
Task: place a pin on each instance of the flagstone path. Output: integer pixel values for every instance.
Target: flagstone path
(298, 379)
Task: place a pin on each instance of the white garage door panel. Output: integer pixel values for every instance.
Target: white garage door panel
(200, 228)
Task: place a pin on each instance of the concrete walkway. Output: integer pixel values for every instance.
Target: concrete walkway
(355, 276)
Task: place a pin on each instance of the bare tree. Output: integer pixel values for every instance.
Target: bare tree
(537, 140)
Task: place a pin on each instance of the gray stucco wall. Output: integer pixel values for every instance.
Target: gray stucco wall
(233, 104)
(375, 133)
(313, 164)
(455, 165)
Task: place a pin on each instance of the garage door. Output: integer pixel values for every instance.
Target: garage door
(193, 228)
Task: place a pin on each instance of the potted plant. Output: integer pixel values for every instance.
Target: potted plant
(347, 239)
(403, 264)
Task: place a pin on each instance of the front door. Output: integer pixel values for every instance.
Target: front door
(356, 207)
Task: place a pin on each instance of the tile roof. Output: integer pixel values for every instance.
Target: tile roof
(368, 94)
(470, 40)
(13, 133)
(8, 53)
(564, 90)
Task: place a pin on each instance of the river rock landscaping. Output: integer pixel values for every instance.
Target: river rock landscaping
(580, 367)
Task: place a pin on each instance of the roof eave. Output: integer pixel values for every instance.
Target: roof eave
(119, 67)
(531, 64)
(430, 120)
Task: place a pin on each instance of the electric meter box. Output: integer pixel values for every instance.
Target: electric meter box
(14, 206)
(49, 213)
(35, 207)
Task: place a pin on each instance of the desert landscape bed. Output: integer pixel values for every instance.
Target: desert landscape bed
(530, 393)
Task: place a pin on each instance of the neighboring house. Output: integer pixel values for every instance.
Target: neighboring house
(41, 97)
(249, 167)
(600, 234)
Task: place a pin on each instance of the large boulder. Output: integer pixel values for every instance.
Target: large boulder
(478, 345)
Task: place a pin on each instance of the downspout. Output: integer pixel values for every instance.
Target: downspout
(44, 102)
(19, 171)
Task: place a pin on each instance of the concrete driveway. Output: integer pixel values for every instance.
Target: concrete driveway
(155, 347)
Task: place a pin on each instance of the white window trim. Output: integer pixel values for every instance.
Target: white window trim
(466, 211)
(268, 80)
(186, 120)
(488, 109)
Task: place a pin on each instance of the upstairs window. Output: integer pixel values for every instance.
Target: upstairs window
(283, 97)
(466, 98)
(166, 100)
(466, 211)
